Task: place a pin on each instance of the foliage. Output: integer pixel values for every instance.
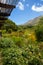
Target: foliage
(39, 30)
(13, 54)
(19, 44)
(8, 24)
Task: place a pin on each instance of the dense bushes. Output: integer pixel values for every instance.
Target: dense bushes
(39, 30)
(9, 26)
(21, 47)
(5, 43)
(14, 55)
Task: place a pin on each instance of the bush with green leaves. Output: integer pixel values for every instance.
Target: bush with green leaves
(12, 54)
(39, 30)
(5, 43)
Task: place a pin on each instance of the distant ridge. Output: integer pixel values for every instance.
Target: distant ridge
(33, 22)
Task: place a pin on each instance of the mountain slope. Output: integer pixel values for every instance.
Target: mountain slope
(8, 24)
(33, 22)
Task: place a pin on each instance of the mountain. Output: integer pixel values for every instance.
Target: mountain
(33, 22)
(7, 24)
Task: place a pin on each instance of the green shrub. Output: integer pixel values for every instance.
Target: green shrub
(39, 33)
(9, 30)
(13, 54)
(5, 43)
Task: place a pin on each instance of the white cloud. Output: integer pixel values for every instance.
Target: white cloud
(37, 9)
(20, 6)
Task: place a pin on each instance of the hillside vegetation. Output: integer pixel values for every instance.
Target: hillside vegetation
(8, 25)
(21, 45)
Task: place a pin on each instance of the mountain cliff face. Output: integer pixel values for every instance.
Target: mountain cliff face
(33, 22)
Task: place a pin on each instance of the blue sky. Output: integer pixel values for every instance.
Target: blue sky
(26, 10)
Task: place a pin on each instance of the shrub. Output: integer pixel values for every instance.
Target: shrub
(13, 54)
(9, 30)
(5, 42)
(39, 33)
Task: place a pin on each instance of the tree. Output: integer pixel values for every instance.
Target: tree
(39, 30)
